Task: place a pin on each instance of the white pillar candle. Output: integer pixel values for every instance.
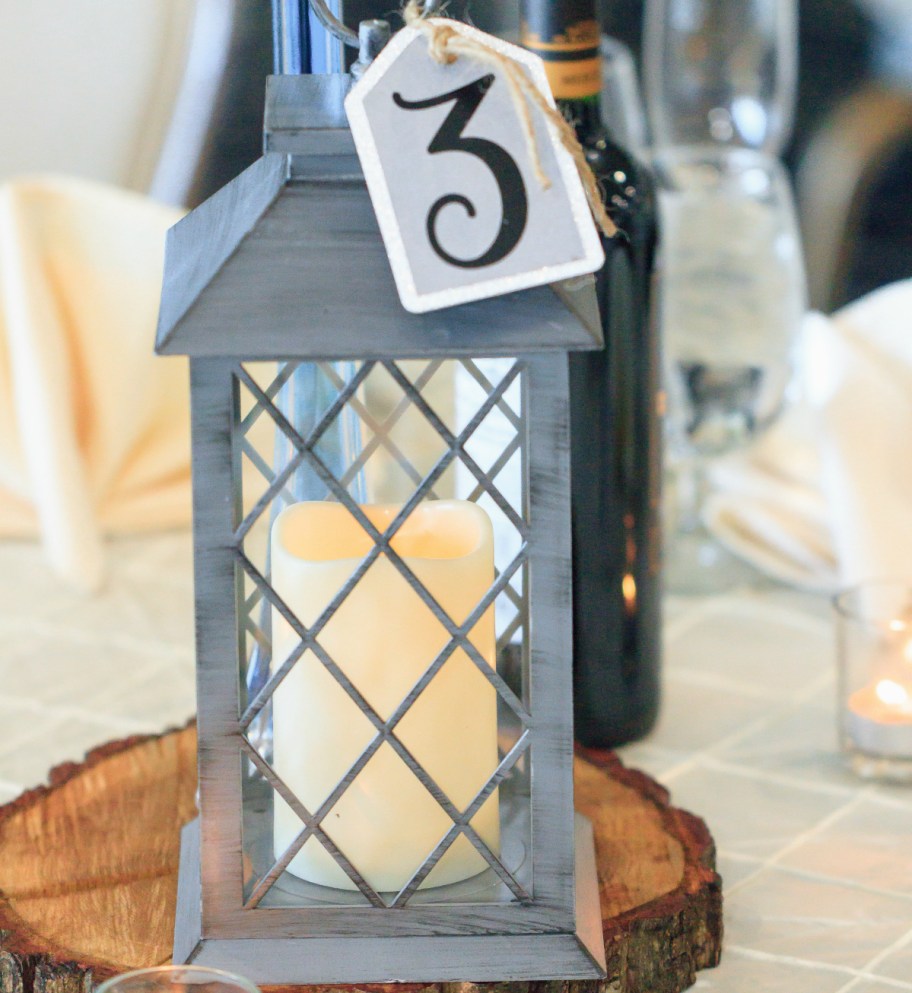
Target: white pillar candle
(384, 637)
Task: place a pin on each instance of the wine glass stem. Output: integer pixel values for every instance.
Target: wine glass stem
(692, 487)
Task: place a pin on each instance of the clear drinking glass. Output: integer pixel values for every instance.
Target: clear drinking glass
(177, 979)
(874, 631)
(721, 72)
(732, 298)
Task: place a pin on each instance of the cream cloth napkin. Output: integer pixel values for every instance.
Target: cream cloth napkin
(94, 429)
(824, 499)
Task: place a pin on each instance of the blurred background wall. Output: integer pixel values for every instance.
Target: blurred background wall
(159, 96)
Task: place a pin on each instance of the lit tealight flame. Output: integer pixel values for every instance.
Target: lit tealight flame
(892, 693)
(897, 625)
(629, 589)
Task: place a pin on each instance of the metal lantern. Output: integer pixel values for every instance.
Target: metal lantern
(382, 547)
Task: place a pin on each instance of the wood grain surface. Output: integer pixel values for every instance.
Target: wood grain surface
(88, 870)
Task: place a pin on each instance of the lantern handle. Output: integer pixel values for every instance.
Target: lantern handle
(342, 31)
(333, 25)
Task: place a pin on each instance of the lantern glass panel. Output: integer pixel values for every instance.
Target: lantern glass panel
(383, 631)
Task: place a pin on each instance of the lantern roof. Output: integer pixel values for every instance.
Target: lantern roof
(287, 261)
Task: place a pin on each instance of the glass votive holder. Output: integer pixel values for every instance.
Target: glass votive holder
(177, 979)
(874, 637)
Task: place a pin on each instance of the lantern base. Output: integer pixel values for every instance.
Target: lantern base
(578, 954)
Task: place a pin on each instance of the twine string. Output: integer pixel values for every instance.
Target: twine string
(446, 45)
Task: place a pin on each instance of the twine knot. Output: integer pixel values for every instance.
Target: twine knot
(446, 44)
(438, 40)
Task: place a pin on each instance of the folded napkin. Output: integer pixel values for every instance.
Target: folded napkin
(824, 499)
(94, 433)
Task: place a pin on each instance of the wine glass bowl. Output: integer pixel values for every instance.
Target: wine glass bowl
(721, 72)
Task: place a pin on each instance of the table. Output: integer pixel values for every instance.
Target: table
(817, 865)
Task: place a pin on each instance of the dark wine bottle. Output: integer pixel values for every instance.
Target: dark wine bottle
(615, 403)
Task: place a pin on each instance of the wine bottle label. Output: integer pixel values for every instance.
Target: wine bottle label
(565, 34)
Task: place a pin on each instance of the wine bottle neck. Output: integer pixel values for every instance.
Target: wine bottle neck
(565, 33)
(585, 116)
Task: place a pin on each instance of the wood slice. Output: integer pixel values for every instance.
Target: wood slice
(88, 874)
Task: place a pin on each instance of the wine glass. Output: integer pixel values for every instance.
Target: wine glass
(177, 979)
(721, 72)
(720, 90)
(732, 301)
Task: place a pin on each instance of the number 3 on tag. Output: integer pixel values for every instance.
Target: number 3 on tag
(447, 164)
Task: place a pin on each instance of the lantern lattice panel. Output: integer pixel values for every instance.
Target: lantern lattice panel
(391, 435)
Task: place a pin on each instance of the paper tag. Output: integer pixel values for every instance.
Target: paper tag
(447, 164)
